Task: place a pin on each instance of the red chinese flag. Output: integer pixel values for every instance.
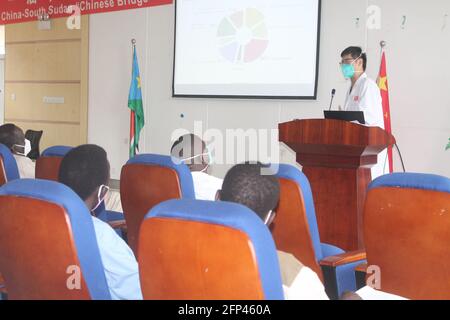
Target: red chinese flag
(384, 89)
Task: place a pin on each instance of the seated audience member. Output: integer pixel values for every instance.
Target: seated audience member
(14, 139)
(193, 151)
(245, 184)
(85, 169)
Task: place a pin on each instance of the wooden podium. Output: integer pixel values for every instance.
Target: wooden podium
(336, 157)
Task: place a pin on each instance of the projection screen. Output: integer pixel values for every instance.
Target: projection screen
(246, 48)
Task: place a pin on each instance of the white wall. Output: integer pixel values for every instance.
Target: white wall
(418, 68)
(2, 90)
(110, 58)
(419, 75)
(2, 40)
(2, 74)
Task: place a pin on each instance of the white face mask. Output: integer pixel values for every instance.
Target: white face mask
(210, 158)
(26, 148)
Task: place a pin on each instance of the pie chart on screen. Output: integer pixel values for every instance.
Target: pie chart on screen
(242, 36)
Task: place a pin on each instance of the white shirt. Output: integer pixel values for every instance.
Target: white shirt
(121, 267)
(206, 185)
(299, 281)
(365, 96)
(368, 293)
(26, 166)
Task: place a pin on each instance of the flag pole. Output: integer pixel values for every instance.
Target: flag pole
(131, 152)
(383, 44)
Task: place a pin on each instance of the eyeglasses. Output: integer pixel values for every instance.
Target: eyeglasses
(350, 60)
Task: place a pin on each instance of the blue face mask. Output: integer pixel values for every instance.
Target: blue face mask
(348, 70)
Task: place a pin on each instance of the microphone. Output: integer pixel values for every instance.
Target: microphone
(333, 92)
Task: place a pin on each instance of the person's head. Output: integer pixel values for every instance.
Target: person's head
(244, 184)
(354, 62)
(85, 169)
(14, 139)
(192, 150)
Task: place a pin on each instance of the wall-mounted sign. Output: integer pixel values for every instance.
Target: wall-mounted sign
(15, 11)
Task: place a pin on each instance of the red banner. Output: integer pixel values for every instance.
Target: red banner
(15, 11)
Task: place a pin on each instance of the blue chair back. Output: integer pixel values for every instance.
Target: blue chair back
(47, 165)
(292, 173)
(10, 170)
(225, 249)
(296, 231)
(147, 180)
(182, 170)
(406, 234)
(418, 181)
(56, 151)
(44, 229)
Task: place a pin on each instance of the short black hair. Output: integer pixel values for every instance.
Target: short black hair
(10, 134)
(188, 145)
(356, 52)
(84, 169)
(245, 184)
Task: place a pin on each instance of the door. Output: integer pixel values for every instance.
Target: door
(46, 80)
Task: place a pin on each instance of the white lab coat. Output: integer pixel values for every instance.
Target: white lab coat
(365, 96)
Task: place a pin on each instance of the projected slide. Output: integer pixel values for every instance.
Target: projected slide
(243, 36)
(246, 48)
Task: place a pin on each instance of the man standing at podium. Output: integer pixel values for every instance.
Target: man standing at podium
(363, 95)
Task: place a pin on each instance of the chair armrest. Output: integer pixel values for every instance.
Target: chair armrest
(361, 268)
(344, 258)
(360, 275)
(118, 224)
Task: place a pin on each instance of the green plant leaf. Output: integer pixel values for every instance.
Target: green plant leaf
(448, 146)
